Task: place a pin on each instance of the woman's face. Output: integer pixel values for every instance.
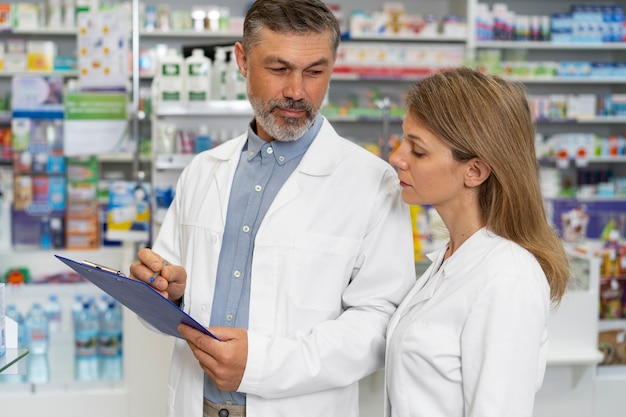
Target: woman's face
(427, 171)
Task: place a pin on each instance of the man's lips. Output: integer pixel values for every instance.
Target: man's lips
(290, 112)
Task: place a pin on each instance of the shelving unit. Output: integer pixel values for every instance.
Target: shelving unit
(573, 386)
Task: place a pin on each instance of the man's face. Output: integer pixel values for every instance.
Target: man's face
(287, 77)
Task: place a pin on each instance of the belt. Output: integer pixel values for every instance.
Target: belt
(211, 409)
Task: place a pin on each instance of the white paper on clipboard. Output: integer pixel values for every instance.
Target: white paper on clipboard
(137, 296)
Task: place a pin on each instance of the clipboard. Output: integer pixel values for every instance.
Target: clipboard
(137, 296)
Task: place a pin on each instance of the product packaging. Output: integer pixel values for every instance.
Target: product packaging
(3, 337)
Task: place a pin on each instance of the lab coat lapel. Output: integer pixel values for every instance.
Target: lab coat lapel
(224, 172)
(315, 163)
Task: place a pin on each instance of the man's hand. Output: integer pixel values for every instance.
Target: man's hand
(168, 280)
(223, 360)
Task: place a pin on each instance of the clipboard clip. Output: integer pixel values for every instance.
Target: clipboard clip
(103, 268)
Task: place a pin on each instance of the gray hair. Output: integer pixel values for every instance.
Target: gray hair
(289, 16)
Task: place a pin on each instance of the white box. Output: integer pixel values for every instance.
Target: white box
(3, 336)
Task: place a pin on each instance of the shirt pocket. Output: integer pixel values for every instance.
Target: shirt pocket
(321, 269)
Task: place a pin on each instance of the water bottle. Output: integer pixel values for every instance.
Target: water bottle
(86, 343)
(110, 342)
(36, 323)
(37, 369)
(77, 306)
(53, 311)
(13, 313)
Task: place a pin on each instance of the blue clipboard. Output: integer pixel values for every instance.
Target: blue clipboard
(137, 296)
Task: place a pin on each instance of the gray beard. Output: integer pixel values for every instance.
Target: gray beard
(284, 129)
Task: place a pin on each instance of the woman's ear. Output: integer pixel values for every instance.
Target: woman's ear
(477, 172)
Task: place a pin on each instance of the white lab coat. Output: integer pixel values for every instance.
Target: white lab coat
(470, 339)
(333, 258)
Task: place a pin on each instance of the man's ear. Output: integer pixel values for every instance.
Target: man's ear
(477, 172)
(240, 55)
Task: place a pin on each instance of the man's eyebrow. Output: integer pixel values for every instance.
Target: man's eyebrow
(279, 60)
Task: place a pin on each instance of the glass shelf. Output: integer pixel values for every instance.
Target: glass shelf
(11, 357)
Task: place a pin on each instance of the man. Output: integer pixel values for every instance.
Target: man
(290, 242)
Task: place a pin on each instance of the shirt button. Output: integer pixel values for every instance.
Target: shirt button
(237, 274)
(270, 150)
(229, 317)
(257, 188)
(251, 154)
(281, 158)
(246, 229)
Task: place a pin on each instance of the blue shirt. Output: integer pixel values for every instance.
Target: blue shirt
(262, 170)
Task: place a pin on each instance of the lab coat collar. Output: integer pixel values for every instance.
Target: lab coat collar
(320, 159)
(472, 250)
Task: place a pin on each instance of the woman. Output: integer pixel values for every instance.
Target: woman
(470, 338)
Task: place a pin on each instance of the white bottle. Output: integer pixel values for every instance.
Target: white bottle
(219, 75)
(235, 81)
(170, 77)
(198, 77)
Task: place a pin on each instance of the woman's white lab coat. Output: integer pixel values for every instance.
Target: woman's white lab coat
(470, 339)
(332, 260)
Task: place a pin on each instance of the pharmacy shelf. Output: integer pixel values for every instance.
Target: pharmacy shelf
(8, 73)
(45, 31)
(207, 108)
(390, 37)
(189, 34)
(610, 46)
(573, 356)
(572, 80)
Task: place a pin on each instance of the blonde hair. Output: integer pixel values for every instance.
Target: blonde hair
(479, 115)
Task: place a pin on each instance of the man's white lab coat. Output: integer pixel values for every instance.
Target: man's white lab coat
(332, 259)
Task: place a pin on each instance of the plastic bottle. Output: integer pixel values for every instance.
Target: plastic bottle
(110, 343)
(203, 140)
(236, 88)
(198, 77)
(170, 77)
(219, 75)
(77, 307)
(46, 234)
(86, 343)
(37, 368)
(36, 323)
(53, 311)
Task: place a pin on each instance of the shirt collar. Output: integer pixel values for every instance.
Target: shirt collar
(283, 151)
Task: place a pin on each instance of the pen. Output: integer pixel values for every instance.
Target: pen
(156, 274)
(103, 268)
